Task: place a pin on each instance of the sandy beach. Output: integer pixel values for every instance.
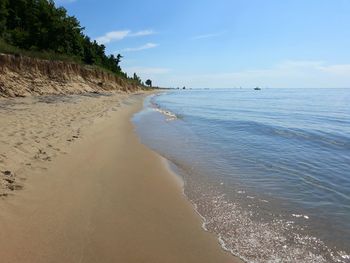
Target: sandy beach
(78, 186)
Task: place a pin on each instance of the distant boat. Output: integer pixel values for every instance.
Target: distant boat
(257, 88)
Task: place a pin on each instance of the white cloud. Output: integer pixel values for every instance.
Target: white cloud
(288, 74)
(62, 2)
(112, 36)
(119, 35)
(340, 70)
(142, 33)
(207, 36)
(143, 47)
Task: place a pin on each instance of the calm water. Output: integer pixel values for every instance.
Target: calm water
(268, 170)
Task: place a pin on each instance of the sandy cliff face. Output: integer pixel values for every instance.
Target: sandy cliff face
(24, 76)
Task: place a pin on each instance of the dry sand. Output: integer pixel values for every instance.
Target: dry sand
(91, 191)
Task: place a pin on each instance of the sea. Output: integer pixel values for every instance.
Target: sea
(268, 170)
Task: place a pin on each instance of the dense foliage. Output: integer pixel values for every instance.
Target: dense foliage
(38, 25)
(149, 82)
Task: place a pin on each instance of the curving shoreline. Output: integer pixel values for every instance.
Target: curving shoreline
(108, 198)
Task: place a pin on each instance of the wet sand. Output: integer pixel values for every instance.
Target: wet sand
(96, 194)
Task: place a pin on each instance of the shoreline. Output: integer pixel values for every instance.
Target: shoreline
(108, 199)
(205, 144)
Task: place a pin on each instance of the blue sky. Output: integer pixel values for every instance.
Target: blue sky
(225, 43)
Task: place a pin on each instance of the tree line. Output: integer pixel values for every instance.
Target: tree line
(38, 25)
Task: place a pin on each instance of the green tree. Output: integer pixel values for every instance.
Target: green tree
(38, 25)
(137, 79)
(3, 16)
(149, 82)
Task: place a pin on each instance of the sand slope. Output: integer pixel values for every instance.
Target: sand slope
(108, 199)
(22, 76)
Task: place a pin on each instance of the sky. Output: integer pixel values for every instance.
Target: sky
(224, 43)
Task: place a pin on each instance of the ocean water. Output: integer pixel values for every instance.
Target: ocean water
(269, 170)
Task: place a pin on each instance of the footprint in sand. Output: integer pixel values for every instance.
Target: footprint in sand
(42, 155)
(7, 173)
(13, 187)
(10, 181)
